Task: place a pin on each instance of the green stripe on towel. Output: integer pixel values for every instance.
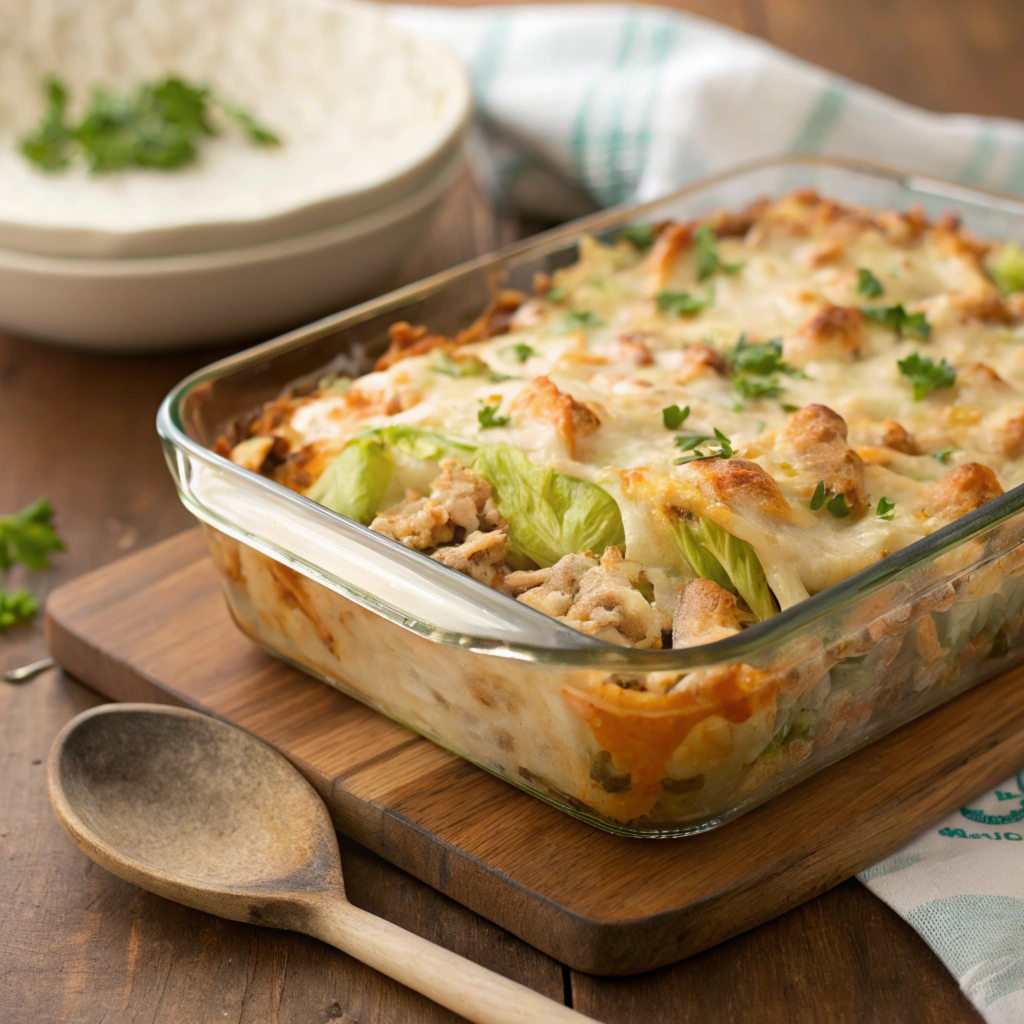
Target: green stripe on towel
(821, 121)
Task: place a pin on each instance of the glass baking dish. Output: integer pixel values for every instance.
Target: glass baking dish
(584, 725)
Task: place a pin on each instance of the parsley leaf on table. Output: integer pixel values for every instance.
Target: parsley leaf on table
(16, 607)
(925, 375)
(28, 537)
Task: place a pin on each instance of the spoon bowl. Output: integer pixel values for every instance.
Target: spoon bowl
(207, 815)
(181, 803)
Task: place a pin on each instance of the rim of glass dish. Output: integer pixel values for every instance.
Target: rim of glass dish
(607, 656)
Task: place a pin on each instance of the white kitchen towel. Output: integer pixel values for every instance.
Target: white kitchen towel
(960, 885)
(617, 103)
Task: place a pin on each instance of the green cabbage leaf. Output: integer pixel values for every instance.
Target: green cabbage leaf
(1007, 267)
(355, 480)
(715, 554)
(549, 514)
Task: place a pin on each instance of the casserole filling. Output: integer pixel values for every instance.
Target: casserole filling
(692, 427)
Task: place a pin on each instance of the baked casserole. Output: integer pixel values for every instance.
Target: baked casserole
(695, 426)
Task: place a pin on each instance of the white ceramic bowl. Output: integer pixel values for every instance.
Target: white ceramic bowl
(138, 305)
(367, 113)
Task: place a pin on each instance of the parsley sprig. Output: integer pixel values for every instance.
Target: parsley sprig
(835, 503)
(885, 509)
(755, 368)
(708, 260)
(682, 303)
(159, 127)
(488, 417)
(640, 236)
(868, 285)
(16, 607)
(576, 318)
(520, 351)
(896, 318)
(925, 375)
(26, 538)
(692, 442)
(674, 417)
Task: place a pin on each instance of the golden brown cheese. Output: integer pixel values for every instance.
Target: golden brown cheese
(814, 385)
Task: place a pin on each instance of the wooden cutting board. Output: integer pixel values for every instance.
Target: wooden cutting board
(154, 627)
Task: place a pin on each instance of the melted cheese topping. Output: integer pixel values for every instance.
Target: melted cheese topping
(604, 331)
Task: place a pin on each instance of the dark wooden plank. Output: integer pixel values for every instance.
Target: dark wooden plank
(597, 902)
(844, 958)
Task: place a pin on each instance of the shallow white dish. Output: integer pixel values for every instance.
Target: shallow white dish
(143, 305)
(367, 113)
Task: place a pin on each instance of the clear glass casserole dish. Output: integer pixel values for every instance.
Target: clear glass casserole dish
(568, 718)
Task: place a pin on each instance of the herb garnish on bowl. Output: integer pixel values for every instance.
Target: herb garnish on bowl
(160, 126)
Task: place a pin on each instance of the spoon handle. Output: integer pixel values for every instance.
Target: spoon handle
(468, 989)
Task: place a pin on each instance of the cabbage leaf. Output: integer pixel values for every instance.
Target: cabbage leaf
(549, 514)
(426, 445)
(355, 480)
(1007, 267)
(715, 554)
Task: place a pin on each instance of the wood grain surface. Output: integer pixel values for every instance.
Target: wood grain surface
(78, 945)
(154, 627)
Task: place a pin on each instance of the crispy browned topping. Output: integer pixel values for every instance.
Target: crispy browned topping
(407, 341)
(542, 400)
(704, 613)
(963, 489)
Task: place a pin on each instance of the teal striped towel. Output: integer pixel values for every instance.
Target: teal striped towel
(582, 106)
(961, 886)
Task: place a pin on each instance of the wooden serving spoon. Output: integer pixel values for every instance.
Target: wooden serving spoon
(205, 814)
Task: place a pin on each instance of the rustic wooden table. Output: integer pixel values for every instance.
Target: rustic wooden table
(79, 945)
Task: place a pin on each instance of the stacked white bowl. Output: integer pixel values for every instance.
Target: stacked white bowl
(247, 240)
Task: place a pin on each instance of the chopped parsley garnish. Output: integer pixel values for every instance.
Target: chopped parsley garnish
(16, 607)
(673, 416)
(520, 351)
(681, 303)
(692, 441)
(868, 285)
(835, 503)
(755, 368)
(786, 407)
(557, 294)
(465, 366)
(159, 127)
(925, 375)
(640, 236)
(944, 455)
(708, 261)
(27, 537)
(576, 319)
(487, 417)
(885, 509)
(896, 318)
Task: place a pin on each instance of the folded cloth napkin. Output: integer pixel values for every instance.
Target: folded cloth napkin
(960, 885)
(584, 106)
(595, 105)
